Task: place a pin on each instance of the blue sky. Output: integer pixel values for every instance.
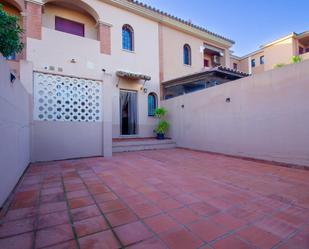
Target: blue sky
(250, 23)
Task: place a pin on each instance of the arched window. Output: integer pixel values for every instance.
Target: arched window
(127, 37)
(152, 104)
(187, 54)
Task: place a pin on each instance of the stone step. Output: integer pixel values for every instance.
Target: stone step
(140, 145)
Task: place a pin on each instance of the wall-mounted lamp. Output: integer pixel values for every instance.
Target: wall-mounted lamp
(145, 90)
(228, 100)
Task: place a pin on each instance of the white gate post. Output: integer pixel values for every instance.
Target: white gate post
(107, 116)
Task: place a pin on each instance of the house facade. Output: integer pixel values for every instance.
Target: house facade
(100, 63)
(277, 52)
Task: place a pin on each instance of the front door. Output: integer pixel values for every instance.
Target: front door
(128, 112)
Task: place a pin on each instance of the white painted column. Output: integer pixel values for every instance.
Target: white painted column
(107, 116)
(249, 65)
(26, 79)
(227, 58)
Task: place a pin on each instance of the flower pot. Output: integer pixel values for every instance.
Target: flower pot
(160, 136)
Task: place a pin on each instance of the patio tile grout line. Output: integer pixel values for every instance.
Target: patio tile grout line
(203, 217)
(229, 233)
(140, 219)
(175, 220)
(69, 213)
(248, 224)
(166, 213)
(290, 235)
(36, 222)
(102, 213)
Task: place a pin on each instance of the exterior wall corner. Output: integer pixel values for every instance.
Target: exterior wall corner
(34, 20)
(104, 36)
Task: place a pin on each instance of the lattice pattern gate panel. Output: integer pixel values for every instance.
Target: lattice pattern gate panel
(61, 98)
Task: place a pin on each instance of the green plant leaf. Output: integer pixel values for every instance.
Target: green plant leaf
(279, 65)
(162, 127)
(10, 34)
(160, 112)
(296, 59)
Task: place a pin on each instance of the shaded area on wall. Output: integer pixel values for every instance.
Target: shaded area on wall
(14, 130)
(266, 117)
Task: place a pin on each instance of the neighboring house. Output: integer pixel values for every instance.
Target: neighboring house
(79, 51)
(279, 51)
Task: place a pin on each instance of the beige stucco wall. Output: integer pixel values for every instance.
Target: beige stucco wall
(244, 65)
(90, 62)
(51, 10)
(280, 52)
(173, 42)
(267, 118)
(50, 53)
(259, 68)
(65, 140)
(14, 131)
(277, 52)
(305, 56)
(233, 60)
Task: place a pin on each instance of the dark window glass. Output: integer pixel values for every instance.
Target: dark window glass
(262, 60)
(206, 63)
(186, 54)
(301, 50)
(235, 66)
(253, 63)
(127, 38)
(68, 26)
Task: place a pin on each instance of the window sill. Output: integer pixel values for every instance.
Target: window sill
(186, 65)
(128, 51)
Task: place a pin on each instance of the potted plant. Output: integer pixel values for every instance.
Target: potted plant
(162, 126)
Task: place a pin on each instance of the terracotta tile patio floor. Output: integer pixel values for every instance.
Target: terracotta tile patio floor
(158, 199)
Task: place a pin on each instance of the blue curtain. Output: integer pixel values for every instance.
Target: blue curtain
(127, 39)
